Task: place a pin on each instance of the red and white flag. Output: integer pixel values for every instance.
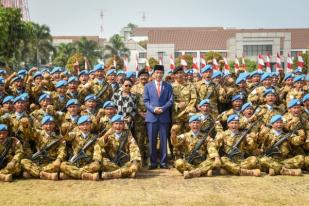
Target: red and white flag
(300, 61)
(215, 64)
(136, 63)
(289, 63)
(195, 64)
(267, 62)
(243, 63)
(226, 64)
(203, 62)
(260, 62)
(236, 64)
(172, 63)
(278, 62)
(183, 62)
(126, 64)
(114, 63)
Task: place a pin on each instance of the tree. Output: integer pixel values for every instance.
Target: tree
(119, 62)
(89, 49)
(187, 58)
(143, 43)
(74, 59)
(132, 27)
(63, 53)
(116, 47)
(152, 62)
(211, 55)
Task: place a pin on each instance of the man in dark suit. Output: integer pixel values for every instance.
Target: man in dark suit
(158, 99)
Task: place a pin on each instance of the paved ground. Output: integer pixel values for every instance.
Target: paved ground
(160, 187)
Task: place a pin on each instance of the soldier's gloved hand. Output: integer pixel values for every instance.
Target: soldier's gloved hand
(56, 164)
(217, 162)
(24, 122)
(11, 165)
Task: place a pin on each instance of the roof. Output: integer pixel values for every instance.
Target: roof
(211, 38)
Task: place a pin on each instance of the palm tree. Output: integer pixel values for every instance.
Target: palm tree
(89, 49)
(63, 53)
(116, 47)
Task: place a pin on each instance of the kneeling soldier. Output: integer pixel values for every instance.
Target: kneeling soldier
(45, 163)
(11, 152)
(121, 155)
(199, 151)
(85, 162)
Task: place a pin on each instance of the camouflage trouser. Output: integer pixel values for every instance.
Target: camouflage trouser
(34, 169)
(76, 172)
(182, 165)
(306, 163)
(177, 129)
(267, 163)
(234, 168)
(14, 171)
(109, 166)
(141, 137)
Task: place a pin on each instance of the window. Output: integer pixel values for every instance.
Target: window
(178, 54)
(191, 54)
(142, 55)
(160, 55)
(254, 50)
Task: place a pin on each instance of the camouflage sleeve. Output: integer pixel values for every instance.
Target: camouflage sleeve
(134, 150)
(297, 140)
(61, 151)
(253, 97)
(193, 99)
(18, 151)
(180, 140)
(212, 149)
(97, 154)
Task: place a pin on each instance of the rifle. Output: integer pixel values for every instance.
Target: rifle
(7, 147)
(194, 153)
(81, 154)
(275, 148)
(43, 153)
(120, 154)
(235, 150)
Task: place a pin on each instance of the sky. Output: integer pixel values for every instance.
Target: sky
(82, 17)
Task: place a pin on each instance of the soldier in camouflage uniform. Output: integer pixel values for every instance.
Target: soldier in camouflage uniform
(47, 165)
(287, 86)
(121, 155)
(90, 108)
(108, 111)
(7, 106)
(71, 117)
(72, 92)
(59, 98)
(254, 79)
(3, 93)
(11, 165)
(244, 163)
(207, 158)
(111, 79)
(297, 92)
(140, 125)
(284, 162)
(86, 169)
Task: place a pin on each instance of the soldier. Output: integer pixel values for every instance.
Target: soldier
(254, 78)
(140, 125)
(121, 155)
(241, 87)
(207, 156)
(90, 108)
(108, 111)
(11, 152)
(243, 163)
(86, 168)
(120, 77)
(288, 84)
(297, 92)
(3, 93)
(45, 165)
(83, 77)
(185, 98)
(71, 117)
(59, 98)
(282, 161)
(72, 92)
(55, 74)
(17, 86)
(7, 106)
(111, 79)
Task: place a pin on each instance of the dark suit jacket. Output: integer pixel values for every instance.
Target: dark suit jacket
(152, 100)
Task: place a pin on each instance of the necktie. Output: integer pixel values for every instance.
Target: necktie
(158, 89)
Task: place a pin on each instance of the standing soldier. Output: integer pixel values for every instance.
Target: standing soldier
(88, 166)
(45, 163)
(255, 78)
(287, 86)
(11, 153)
(297, 92)
(3, 93)
(205, 159)
(111, 79)
(121, 156)
(72, 92)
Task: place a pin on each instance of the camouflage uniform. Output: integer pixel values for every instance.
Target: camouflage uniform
(57, 152)
(59, 102)
(68, 123)
(97, 88)
(294, 94)
(77, 141)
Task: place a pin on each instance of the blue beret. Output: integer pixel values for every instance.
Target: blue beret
(299, 78)
(254, 73)
(72, 102)
(83, 119)
(226, 74)
(90, 97)
(2, 71)
(204, 101)
(240, 79)
(22, 72)
(3, 127)
(44, 96)
(288, 76)
(7, 99)
(83, 72)
(206, 68)
(237, 96)
(72, 79)
(19, 99)
(37, 74)
(46, 119)
(56, 70)
(17, 78)
(61, 83)
(130, 74)
(298, 70)
(216, 74)
(307, 79)
(108, 104)
(2, 80)
(189, 71)
(306, 97)
(269, 91)
(265, 76)
(274, 74)
(293, 102)
(276, 118)
(110, 72)
(117, 118)
(45, 70)
(65, 73)
(233, 117)
(246, 106)
(99, 67)
(195, 118)
(120, 72)
(92, 71)
(25, 95)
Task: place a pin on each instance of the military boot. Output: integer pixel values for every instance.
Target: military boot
(192, 174)
(6, 178)
(63, 176)
(291, 172)
(90, 176)
(255, 172)
(111, 175)
(271, 172)
(48, 176)
(26, 175)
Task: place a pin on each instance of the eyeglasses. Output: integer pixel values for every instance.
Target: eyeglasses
(128, 85)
